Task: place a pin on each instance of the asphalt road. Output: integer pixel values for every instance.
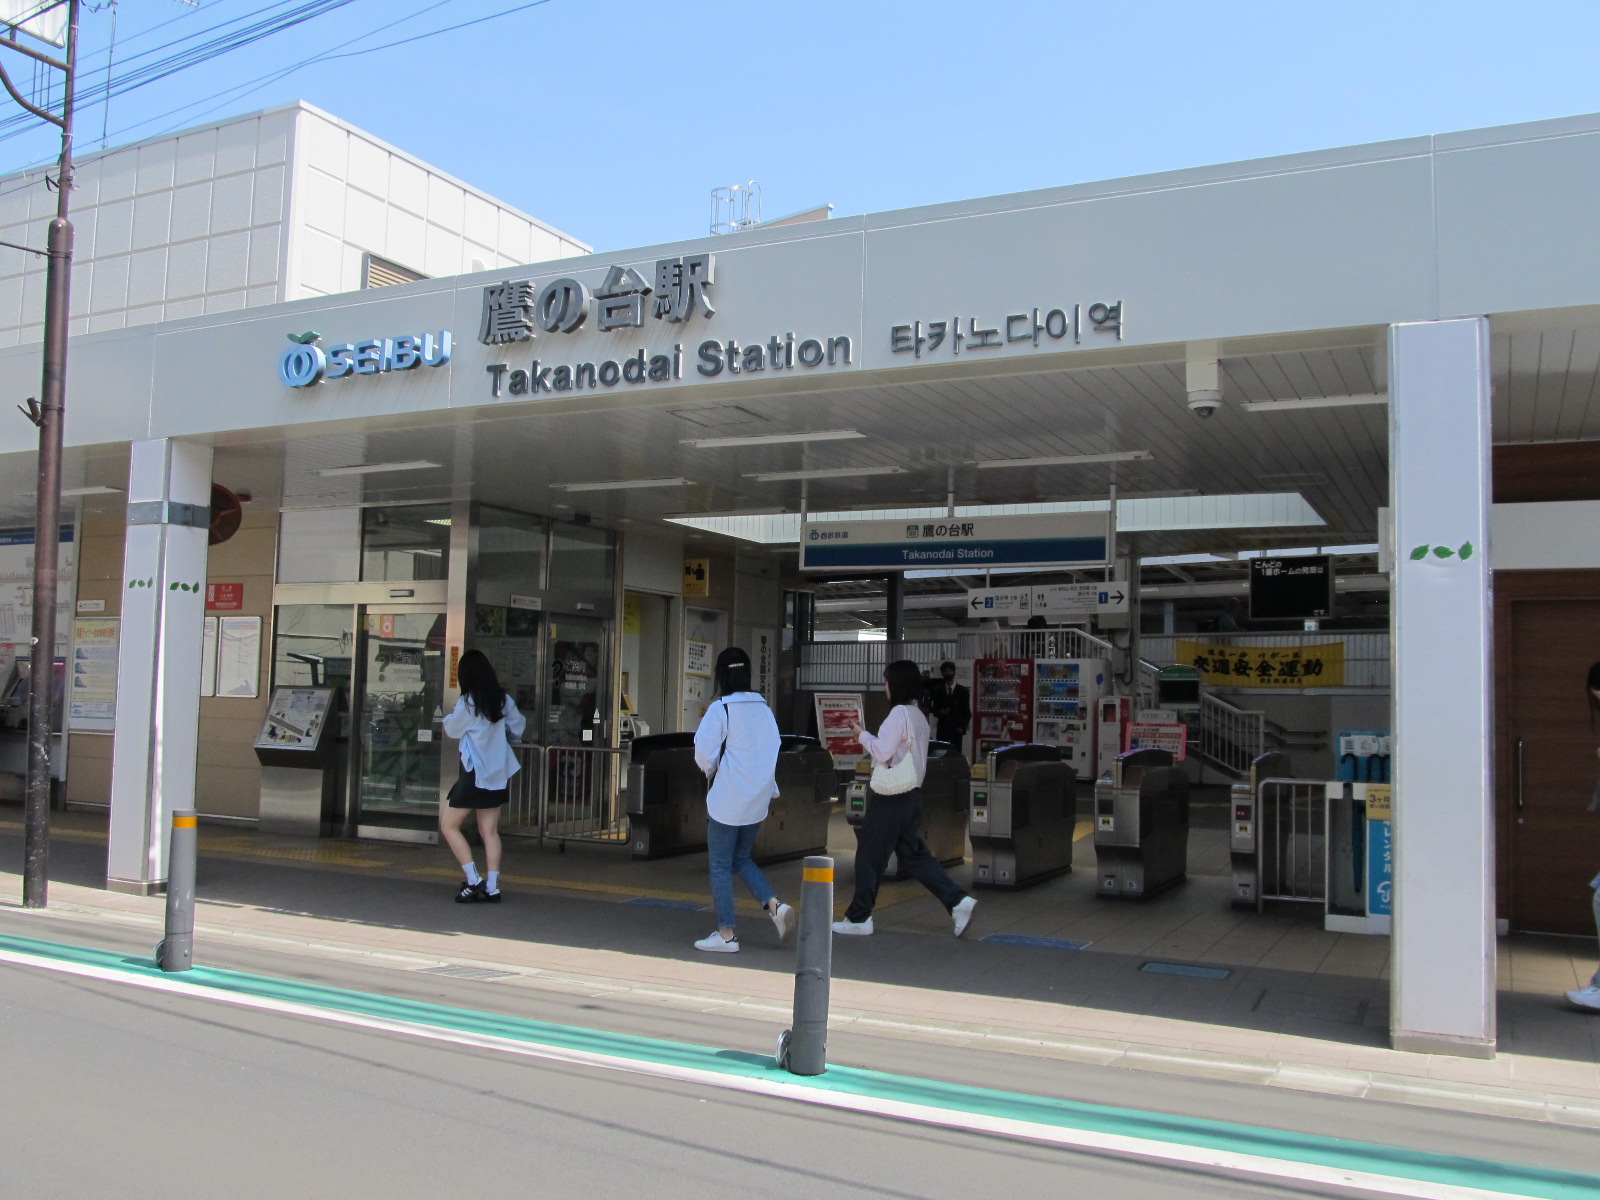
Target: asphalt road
(111, 1092)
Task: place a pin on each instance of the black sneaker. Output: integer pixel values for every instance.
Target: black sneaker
(489, 897)
(475, 893)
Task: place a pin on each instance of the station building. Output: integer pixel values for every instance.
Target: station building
(418, 422)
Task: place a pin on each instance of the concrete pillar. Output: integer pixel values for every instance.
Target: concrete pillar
(1443, 991)
(158, 664)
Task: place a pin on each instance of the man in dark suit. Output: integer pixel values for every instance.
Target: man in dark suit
(950, 705)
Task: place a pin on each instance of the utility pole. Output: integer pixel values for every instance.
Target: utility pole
(47, 413)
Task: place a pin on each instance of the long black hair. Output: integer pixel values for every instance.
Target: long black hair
(481, 685)
(1594, 686)
(904, 678)
(732, 672)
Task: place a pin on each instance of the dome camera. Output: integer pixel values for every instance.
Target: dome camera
(1204, 403)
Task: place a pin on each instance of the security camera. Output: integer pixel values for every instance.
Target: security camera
(1205, 402)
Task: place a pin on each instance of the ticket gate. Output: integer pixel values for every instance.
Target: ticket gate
(945, 796)
(1022, 817)
(1141, 825)
(1244, 826)
(667, 799)
(797, 822)
(666, 796)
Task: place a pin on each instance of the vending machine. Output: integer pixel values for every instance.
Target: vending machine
(1066, 692)
(1002, 703)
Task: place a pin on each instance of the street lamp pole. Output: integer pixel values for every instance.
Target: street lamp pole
(47, 413)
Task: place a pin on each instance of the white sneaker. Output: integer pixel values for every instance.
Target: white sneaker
(717, 944)
(781, 918)
(961, 914)
(854, 928)
(1588, 997)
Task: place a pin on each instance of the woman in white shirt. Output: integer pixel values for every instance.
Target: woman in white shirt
(737, 747)
(486, 722)
(893, 824)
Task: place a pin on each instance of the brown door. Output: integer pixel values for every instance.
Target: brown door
(1547, 756)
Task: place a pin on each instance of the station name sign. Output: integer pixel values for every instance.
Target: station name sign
(1046, 540)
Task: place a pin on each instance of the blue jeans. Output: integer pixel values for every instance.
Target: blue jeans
(730, 847)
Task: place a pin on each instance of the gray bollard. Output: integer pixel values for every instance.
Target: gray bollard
(803, 1050)
(176, 951)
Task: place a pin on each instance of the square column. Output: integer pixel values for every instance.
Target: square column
(1443, 992)
(157, 734)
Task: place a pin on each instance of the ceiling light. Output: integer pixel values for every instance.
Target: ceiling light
(436, 521)
(414, 464)
(617, 485)
(1063, 460)
(773, 439)
(1315, 402)
(834, 473)
(93, 490)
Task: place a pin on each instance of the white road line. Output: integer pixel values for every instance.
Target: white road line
(1136, 1147)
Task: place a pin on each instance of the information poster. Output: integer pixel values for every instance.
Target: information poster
(1147, 735)
(837, 714)
(697, 657)
(295, 718)
(238, 657)
(92, 702)
(1380, 850)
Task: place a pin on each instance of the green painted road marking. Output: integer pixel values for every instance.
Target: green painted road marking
(1448, 1170)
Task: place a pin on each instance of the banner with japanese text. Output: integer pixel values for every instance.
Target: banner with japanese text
(1269, 668)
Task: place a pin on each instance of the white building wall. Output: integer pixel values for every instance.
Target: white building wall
(354, 194)
(277, 205)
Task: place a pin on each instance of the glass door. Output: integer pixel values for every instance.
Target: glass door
(398, 718)
(578, 696)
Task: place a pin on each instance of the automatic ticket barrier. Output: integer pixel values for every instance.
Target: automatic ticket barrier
(1022, 817)
(667, 799)
(797, 822)
(945, 798)
(1244, 826)
(1141, 825)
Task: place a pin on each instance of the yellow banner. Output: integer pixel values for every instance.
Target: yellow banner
(1269, 668)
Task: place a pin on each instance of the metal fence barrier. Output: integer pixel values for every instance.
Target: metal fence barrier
(1293, 841)
(1229, 736)
(522, 813)
(582, 795)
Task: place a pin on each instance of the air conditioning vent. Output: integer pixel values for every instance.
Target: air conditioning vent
(380, 272)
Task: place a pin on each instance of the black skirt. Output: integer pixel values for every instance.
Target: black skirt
(465, 793)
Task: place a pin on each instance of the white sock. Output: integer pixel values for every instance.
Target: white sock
(494, 882)
(471, 870)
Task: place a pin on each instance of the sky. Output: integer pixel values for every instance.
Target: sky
(613, 119)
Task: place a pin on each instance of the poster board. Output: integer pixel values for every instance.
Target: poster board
(92, 687)
(239, 657)
(1148, 735)
(296, 718)
(837, 713)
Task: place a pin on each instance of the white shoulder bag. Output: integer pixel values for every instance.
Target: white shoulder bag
(893, 781)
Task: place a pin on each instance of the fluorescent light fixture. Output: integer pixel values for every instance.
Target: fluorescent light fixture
(773, 439)
(826, 473)
(618, 485)
(1315, 402)
(1063, 460)
(414, 464)
(93, 490)
(437, 521)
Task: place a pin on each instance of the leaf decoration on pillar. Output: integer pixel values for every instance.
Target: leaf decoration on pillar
(1419, 553)
(1443, 552)
(1466, 550)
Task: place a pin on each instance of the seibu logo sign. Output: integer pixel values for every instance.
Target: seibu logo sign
(305, 363)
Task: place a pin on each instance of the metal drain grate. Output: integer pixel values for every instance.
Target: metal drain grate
(455, 972)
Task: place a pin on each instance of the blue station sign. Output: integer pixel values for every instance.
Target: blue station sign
(1050, 540)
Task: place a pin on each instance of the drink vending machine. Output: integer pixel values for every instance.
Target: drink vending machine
(1002, 704)
(1066, 692)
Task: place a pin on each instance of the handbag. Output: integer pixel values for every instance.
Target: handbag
(892, 781)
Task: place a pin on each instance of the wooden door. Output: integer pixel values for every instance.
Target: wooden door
(1547, 762)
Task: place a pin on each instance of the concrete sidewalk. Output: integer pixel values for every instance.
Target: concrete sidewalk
(1276, 1001)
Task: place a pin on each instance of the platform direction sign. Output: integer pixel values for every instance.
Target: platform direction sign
(1068, 601)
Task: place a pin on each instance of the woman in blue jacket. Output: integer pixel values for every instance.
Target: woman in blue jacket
(485, 722)
(737, 747)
